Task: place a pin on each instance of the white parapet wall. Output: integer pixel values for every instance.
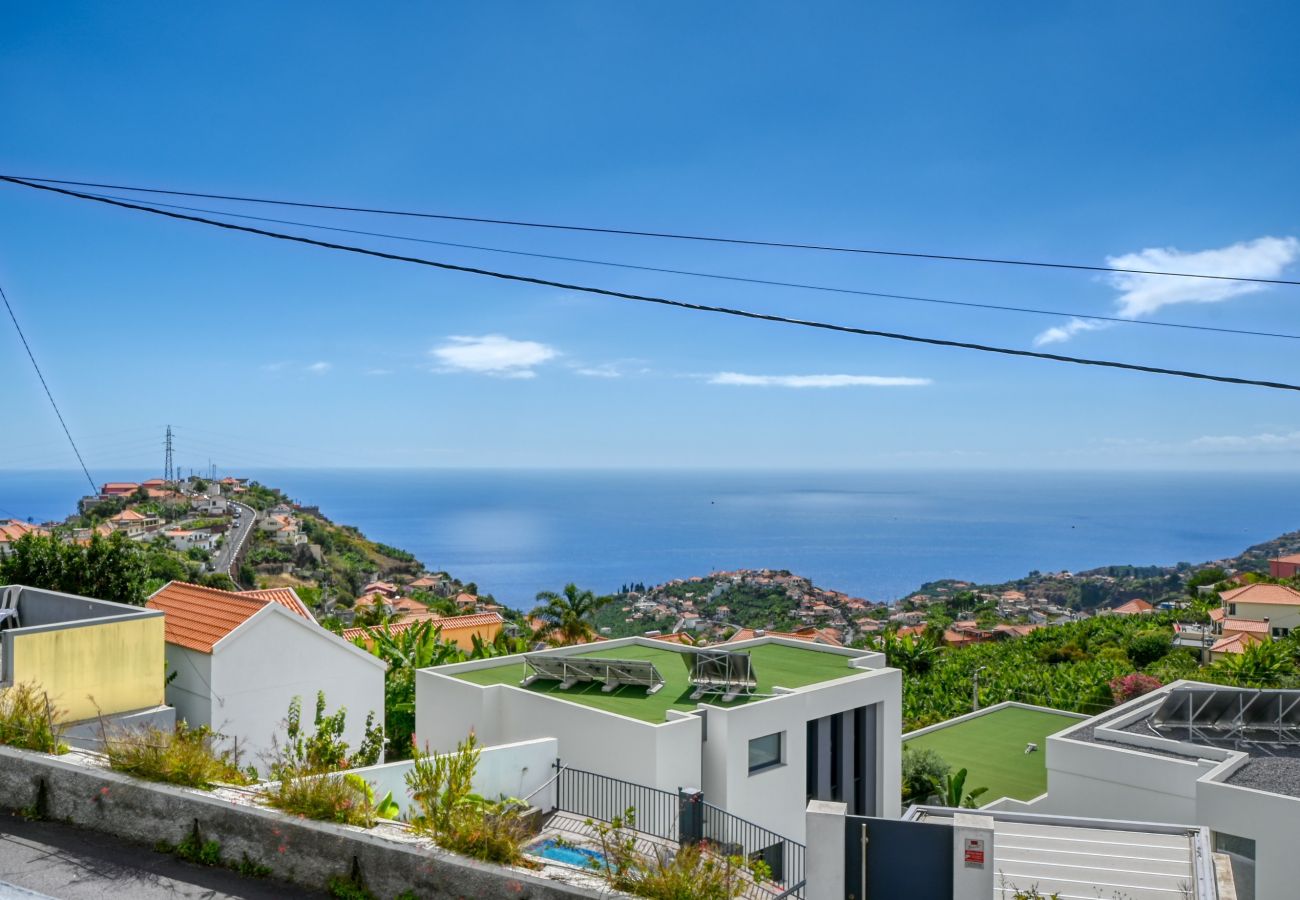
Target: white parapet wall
(523, 770)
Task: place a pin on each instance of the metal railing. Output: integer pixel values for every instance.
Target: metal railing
(604, 799)
(733, 835)
(683, 818)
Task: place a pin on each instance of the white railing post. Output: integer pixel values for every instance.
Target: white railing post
(825, 822)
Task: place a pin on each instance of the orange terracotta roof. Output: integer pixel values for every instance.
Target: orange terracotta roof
(1253, 626)
(1136, 606)
(914, 630)
(446, 623)
(1276, 594)
(1236, 643)
(1217, 613)
(13, 529)
(285, 596)
(466, 598)
(1293, 558)
(197, 617)
(128, 515)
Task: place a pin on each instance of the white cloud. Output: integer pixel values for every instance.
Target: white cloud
(319, 368)
(1142, 295)
(1264, 442)
(1059, 334)
(604, 370)
(492, 354)
(815, 381)
(273, 366)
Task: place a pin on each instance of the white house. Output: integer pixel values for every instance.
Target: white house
(209, 506)
(825, 722)
(183, 540)
(1226, 759)
(240, 658)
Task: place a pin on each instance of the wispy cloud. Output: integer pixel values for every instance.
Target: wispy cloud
(1143, 295)
(273, 366)
(1059, 334)
(815, 381)
(1264, 442)
(605, 370)
(318, 368)
(492, 354)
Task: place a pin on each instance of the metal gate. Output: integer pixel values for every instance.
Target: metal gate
(885, 859)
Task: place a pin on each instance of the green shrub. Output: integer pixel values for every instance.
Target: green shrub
(924, 771)
(1146, 647)
(460, 820)
(185, 756)
(27, 720)
(694, 872)
(324, 797)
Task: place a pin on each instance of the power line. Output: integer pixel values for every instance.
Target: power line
(662, 301)
(628, 232)
(26, 346)
(718, 277)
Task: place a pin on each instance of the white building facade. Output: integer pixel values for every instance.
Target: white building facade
(761, 760)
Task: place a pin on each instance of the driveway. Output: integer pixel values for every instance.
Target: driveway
(50, 859)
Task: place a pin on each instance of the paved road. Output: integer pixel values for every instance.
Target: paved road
(69, 863)
(235, 538)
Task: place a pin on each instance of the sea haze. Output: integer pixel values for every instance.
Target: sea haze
(872, 534)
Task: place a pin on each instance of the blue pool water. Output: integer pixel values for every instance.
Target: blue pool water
(581, 857)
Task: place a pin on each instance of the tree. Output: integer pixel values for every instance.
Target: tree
(106, 568)
(1145, 647)
(955, 794)
(1260, 664)
(914, 654)
(568, 617)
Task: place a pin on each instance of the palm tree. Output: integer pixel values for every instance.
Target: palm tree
(911, 653)
(568, 616)
(1262, 664)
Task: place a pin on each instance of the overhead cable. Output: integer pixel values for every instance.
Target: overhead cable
(629, 232)
(661, 301)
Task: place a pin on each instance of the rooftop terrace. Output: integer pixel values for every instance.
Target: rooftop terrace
(991, 747)
(776, 665)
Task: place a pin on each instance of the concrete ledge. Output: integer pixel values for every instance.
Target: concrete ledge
(295, 849)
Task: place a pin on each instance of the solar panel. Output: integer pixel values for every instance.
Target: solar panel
(1234, 715)
(721, 672)
(612, 673)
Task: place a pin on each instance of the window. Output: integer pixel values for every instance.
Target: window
(765, 752)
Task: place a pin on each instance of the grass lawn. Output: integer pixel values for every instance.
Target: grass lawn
(775, 664)
(992, 750)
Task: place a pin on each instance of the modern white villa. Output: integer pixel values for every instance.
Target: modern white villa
(760, 728)
(239, 659)
(1226, 759)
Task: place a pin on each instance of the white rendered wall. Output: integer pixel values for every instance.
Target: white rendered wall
(663, 755)
(190, 690)
(1106, 781)
(270, 659)
(776, 798)
(510, 770)
(1272, 821)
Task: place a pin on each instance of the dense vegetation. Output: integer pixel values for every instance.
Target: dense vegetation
(1081, 666)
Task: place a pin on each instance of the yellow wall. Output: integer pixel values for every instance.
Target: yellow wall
(1278, 615)
(91, 669)
(463, 637)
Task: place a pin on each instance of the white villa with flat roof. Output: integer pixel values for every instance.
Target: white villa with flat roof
(823, 723)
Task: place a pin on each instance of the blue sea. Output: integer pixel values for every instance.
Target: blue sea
(873, 534)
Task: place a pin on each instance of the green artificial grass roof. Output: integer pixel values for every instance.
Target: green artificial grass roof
(991, 748)
(775, 665)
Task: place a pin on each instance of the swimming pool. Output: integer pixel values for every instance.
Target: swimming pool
(582, 857)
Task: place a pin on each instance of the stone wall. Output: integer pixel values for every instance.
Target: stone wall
(299, 850)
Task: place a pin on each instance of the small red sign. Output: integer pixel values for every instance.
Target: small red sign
(974, 852)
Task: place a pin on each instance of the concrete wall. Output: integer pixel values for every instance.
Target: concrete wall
(38, 607)
(775, 798)
(1270, 820)
(510, 770)
(301, 850)
(275, 656)
(110, 666)
(664, 755)
(190, 691)
(1278, 615)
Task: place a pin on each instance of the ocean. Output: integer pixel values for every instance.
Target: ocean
(872, 534)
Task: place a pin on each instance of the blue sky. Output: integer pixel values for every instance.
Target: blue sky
(1074, 131)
